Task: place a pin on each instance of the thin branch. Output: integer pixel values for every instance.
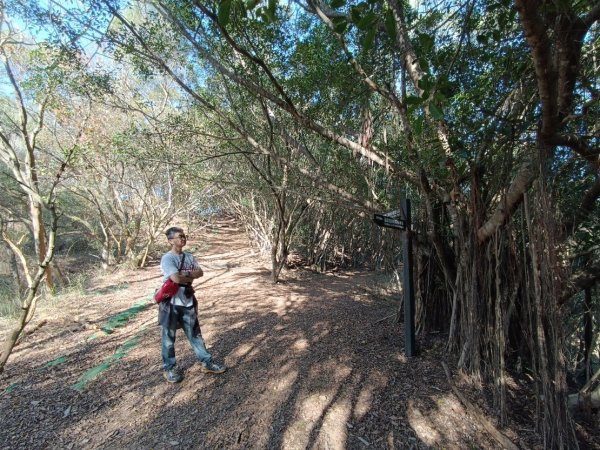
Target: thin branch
(257, 90)
(247, 54)
(587, 206)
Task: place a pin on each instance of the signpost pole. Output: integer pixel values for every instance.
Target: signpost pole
(400, 220)
(409, 296)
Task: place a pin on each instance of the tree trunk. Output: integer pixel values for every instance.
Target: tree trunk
(588, 334)
(27, 309)
(39, 234)
(591, 400)
(278, 250)
(29, 303)
(588, 396)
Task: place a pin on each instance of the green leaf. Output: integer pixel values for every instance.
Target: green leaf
(435, 111)
(251, 4)
(356, 14)
(369, 38)
(413, 100)
(339, 24)
(224, 12)
(483, 38)
(418, 125)
(367, 22)
(390, 25)
(425, 83)
(426, 42)
(269, 15)
(338, 3)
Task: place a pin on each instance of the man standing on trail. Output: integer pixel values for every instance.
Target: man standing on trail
(181, 310)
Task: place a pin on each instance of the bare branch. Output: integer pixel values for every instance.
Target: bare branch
(580, 146)
(19, 255)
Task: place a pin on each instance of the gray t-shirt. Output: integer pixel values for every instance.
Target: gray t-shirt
(169, 264)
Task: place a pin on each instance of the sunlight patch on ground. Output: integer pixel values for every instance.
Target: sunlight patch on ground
(241, 352)
(277, 390)
(320, 330)
(333, 433)
(319, 416)
(281, 304)
(308, 414)
(300, 344)
(364, 401)
(240, 324)
(284, 305)
(444, 419)
(422, 424)
(236, 254)
(237, 282)
(331, 372)
(401, 357)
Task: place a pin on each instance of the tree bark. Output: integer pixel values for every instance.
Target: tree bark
(588, 396)
(29, 303)
(39, 233)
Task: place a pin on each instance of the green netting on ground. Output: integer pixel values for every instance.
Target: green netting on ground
(121, 319)
(11, 387)
(115, 357)
(55, 362)
(109, 289)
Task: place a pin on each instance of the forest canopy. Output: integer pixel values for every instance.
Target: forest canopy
(303, 118)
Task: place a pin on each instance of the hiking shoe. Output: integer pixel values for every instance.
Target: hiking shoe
(211, 367)
(173, 375)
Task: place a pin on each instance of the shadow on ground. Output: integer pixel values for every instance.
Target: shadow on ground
(311, 365)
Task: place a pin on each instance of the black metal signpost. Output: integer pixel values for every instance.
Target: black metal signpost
(400, 219)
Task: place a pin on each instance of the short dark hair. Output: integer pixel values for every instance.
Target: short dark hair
(170, 233)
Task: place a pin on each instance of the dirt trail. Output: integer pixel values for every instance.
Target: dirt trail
(310, 366)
